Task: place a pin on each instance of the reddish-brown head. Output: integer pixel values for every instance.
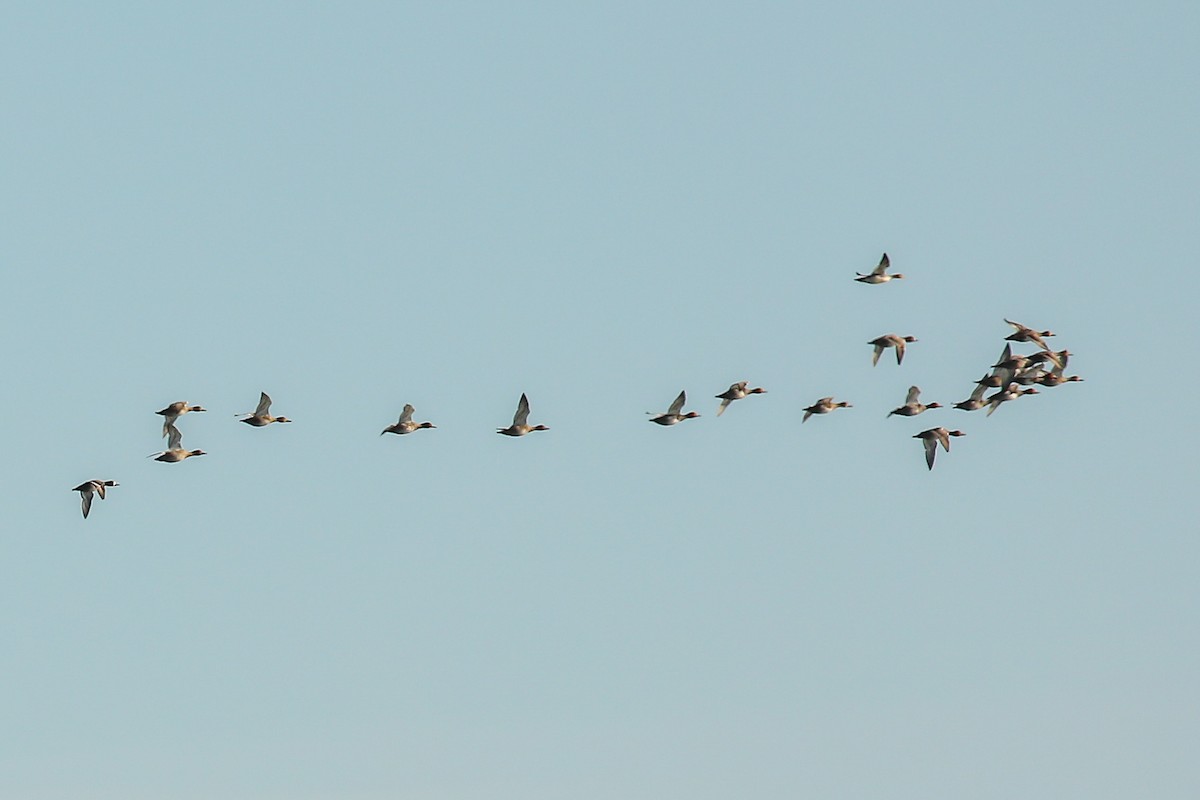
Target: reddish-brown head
(933, 405)
(690, 415)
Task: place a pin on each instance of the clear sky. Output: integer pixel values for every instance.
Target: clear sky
(355, 206)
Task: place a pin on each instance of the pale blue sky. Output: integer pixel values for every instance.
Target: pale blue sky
(356, 207)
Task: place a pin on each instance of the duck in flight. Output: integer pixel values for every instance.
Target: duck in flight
(911, 405)
(405, 424)
(89, 488)
(520, 424)
(890, 340)
(823, 406)
(262, 415)
(175, 451)
(736, 391)
(879, 274)
(174, 412)
(674, 413)
(932, 438)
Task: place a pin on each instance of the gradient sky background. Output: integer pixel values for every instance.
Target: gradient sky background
(356, 207)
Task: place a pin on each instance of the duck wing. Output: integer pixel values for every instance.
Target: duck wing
(522, 415)
(264, 405)
(677, 406)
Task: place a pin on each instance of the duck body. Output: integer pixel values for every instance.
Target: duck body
(175, 456)
(1056, 378)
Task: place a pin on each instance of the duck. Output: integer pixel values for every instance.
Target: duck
(879, 274)
(405, 424)
(1023, 333)
(932, 438)
(736, 391)
(262, 416)
(175, 451)
(1013, 363)
(89, 488)
(174, 412)
(1019, 362)
(674, 413)
(1029, 375)
(911, 407)
(520, 425)
(1057, 358)
(975, 401)
(890, 340)
(1006, 395)
(997, 378)
(1056, 377)
(823, 406)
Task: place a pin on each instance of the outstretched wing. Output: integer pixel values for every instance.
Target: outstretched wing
(1005, 355)
(930, 451)
(264, 406)
(522, 415)
(913, 393)
(677, 406)
(406, 414)
(884, 263)
(174, 438)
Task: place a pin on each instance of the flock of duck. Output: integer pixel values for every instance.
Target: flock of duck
(1013, 376)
